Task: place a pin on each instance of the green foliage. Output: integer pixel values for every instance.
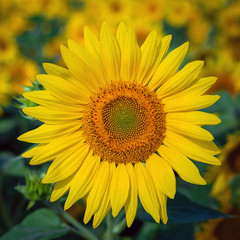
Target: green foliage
(6, 125)
(228, 109)
(32, 42)
(22, 102)
(152, 231)
(42, 224)
(182, 210)
(35, 190)
(13, 166)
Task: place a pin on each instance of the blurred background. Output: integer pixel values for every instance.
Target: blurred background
(31, 32)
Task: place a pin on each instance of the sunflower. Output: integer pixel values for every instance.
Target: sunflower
(180, 13)
(8, 48)
(221, 176)
(5, 90)
(20, 73)
(220, 229)
(151, 10)
(227, 70)
(119, 121)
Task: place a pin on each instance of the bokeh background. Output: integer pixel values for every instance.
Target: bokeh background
(31, 32)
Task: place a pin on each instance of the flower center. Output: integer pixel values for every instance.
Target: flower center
(124, 122)
(123, 118)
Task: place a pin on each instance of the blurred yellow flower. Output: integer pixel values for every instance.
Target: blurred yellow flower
(8, 48)
(221, 176)
(149, 10)
(210, 7)
(113, 11)
(179, 13)
(221, 65)
(75, 26)
(198, 31)
(118, 121)
(51, 8)
(229, 20)
(52, 49)
(4, 91)
(221, 229)
(21, 72)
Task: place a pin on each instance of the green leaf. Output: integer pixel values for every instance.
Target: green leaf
(4, 157)
(14, 167)
(183, 210)
(7, 125)
(176, 232)
(42, 224)
(198, 193)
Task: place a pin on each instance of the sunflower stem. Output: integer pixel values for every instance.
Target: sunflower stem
(110, 234)
(82, 231)
(120, 226)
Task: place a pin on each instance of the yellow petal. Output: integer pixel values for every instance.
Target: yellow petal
(182, 165)
(147, 192)
(180, 80)
(62, 72)
(101, 213)
(189, 130)
(163, 204)
(33, 151)
(89, 61)
(168, 66)
(189, 148)
(79, 69)
(161, 51)
(119, 189)
(196, 89)
(201, 86)
(46, 132)
(51, 116)
(189, 103)
(132, 200)
(61, 188)
(105, 205)
(209, 147)
(149, 54)
(45, 99)
(82, 181)
(164, 46)
(91, 42)
(63, 89)
(94, 199)
(67, 164)
(130, 56)
(162, 175)
(110, 53)
(121, 35)
(58, 146)
(195, 117)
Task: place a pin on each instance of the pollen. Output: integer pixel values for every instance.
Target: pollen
(124, 122)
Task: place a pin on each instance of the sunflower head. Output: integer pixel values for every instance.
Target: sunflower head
(118, 121)
(124, 122)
